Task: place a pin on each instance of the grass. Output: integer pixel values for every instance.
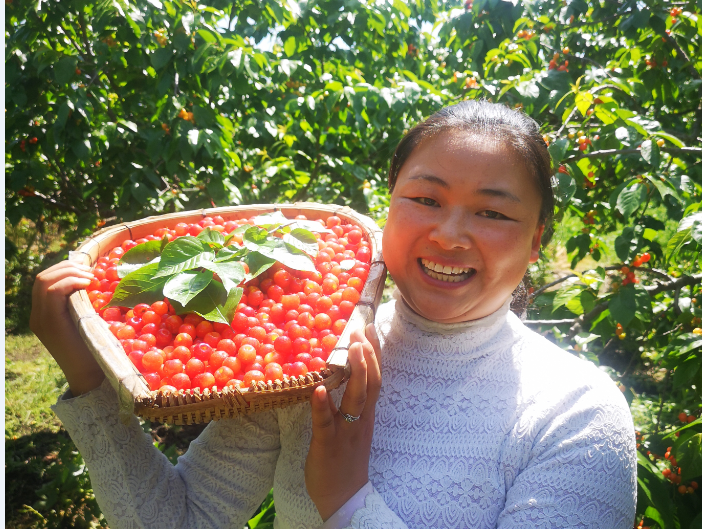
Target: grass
(38, 450)
(33, 434)
(33, 382)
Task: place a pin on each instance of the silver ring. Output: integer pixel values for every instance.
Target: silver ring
(349, 418)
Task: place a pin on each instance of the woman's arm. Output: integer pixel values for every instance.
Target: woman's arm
(219, 482)
(581, 471)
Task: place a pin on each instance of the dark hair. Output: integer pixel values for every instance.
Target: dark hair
(517, 130)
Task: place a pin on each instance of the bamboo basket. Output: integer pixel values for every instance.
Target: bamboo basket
(193, 406)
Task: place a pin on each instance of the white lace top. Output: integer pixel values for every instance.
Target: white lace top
(482, 424)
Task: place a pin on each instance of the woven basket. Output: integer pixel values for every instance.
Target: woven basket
(195, 407)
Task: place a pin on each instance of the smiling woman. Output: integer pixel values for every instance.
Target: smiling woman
(477, 422)
(462, 201)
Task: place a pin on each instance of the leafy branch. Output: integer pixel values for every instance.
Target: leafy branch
(578, 323)
(615, 152)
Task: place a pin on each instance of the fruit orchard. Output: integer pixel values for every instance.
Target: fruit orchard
(116, 111)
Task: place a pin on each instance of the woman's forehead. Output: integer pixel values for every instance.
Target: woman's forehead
(463, 152)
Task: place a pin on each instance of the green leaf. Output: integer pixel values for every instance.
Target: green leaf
(160, 57)
(558, 150)
(566, 188)
(651, 153)
(694, 224)
(302, 240)
(209, 303)
(65, 70)
(583, 100)
(231, 273)
(256, 240)
(689, 456)
(564, 295)
(123, 270)
(669, 137)
(141, 286)
(144, 252)
(630, 199)
(686, 371)
(81, 148)
(676, 243)
(622, 306)
(211, 237)
(258, 263)
(185, 286)
(656, 493)
(229, 253)
(229, 308)
(290, 46)
(182, 254)
(626, 244)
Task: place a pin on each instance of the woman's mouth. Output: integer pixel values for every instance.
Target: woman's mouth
(449, 274)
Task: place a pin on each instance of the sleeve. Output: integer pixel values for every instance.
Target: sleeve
(220, 481)
(581, 468)
(365, 510)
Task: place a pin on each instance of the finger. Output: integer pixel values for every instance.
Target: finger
(323, 425)
(57, 273)
(374, 378)
(64, 264)
(67, 286)
(51, 276)
(372, 337)
(354, 399)
(357, 335)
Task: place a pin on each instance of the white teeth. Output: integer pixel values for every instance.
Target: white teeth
(445, 270)
(448, 274)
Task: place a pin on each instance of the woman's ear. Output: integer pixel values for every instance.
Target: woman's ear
(536, 243)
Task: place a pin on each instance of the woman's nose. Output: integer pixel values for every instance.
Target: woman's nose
(452, 232)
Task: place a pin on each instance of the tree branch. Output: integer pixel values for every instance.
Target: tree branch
(53, 203)
(652, 271)
(580, 321)
(615, 152)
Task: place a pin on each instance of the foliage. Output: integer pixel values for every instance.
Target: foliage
(183, 270)
(116, 111)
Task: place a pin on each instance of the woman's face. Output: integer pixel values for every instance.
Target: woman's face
(462, 227)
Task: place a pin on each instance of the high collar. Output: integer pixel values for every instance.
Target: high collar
(496, 318)
(468, 339)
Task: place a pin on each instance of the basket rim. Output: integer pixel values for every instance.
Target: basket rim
(133, 391)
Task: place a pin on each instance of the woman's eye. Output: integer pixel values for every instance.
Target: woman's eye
(426, 201)
(490, 214)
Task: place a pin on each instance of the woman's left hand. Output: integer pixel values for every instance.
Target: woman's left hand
(337, 463)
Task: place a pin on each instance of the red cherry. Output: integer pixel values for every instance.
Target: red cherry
(202, 351)
(273, 371)
(204, 380)
(298, 369)
(232, 363)
(181, 381)
(172, 367)
(317, 364)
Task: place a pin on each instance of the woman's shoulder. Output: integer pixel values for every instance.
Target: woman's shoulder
(551, 369)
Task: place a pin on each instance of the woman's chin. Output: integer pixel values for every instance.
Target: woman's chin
(439, 310)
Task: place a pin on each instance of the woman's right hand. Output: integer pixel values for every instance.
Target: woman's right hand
(52, 323)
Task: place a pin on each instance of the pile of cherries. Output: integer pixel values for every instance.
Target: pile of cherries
(286, 324)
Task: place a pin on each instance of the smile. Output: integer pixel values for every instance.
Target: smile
(450, 274)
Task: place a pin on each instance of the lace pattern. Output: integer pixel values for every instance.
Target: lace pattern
(482, 424)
